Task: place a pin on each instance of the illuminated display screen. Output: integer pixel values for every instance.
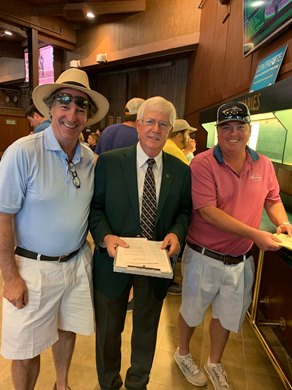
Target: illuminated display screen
(46, 65)
(263, 19)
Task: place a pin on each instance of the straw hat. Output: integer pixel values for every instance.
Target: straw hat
(71, 78)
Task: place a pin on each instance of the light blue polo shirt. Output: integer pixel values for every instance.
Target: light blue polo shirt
(51, 214)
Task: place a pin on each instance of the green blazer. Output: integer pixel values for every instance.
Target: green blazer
(115, 210)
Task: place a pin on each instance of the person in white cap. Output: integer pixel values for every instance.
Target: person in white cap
(122, 134)
(46, 186)
(178, 139)
(231, 184)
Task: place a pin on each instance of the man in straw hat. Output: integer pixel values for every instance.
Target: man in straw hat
(46, 185)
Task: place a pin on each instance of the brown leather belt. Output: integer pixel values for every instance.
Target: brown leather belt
(226, 259)
(33, 255)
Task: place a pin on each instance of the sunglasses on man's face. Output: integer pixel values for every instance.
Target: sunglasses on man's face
(67, 98)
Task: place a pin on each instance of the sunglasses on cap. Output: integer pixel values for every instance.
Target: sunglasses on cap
(66, 98)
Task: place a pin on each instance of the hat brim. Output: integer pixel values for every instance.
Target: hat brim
(232, 120)
(43, 91)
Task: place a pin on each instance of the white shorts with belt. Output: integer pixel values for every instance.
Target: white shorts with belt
(209, 281)
(59, 297)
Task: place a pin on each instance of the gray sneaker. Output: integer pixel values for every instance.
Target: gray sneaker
(217, 376)
(190, 369)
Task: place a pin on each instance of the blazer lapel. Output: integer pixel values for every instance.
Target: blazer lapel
(129, 171)
(166, 183)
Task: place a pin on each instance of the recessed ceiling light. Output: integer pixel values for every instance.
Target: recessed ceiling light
(90, 15)
(6, 32)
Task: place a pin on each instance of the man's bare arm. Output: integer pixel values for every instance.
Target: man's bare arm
(15, 290)
(225, 222)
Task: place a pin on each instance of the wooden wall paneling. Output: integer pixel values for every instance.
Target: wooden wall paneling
(237, 68)
(114, 87)
(12, 127)
(137, 84)
(167, 79)
(165, 24)
(201, 80)
(20, 14)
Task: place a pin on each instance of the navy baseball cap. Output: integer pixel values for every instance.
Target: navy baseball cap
(233, 111)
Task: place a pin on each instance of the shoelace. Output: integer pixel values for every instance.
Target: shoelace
(221, 375)
(191, 365)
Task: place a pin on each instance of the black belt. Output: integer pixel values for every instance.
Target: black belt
(226, 259)
(33, 255)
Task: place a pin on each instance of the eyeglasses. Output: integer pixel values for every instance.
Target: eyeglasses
(75, 178)
(67, 98)
(149, 122)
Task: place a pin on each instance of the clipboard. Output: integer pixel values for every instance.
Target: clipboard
(286, 241)
(143, 257)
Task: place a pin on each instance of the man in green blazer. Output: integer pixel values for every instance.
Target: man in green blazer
(115, 212)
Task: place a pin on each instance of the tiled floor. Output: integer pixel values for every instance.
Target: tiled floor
(246, 363)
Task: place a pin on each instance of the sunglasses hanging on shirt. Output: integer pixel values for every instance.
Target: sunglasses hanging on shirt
(75, 178)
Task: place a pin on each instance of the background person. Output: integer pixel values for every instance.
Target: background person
(122, 134)
(92, 141)
(36, 119)
(218, 266)
(177, 140)
(190, 148)
(46, 185)
(115, 212)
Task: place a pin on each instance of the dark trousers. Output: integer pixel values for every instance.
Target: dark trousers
(110, 316)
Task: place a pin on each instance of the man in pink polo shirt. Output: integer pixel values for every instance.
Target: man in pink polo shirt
(231, 184)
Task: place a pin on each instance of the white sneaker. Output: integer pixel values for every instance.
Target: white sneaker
(190, 369)
(217, 375)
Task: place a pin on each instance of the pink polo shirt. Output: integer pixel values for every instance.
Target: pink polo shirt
(214, 183)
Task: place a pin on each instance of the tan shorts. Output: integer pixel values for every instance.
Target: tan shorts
(60, 297)
(208, 281)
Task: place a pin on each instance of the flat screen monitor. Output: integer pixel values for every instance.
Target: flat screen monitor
(46, 65)
(263, 20)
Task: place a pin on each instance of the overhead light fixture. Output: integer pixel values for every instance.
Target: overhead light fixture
(90, 15)
(6, 32)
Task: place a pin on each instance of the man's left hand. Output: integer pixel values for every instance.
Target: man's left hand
(285, 227)
(171, 243)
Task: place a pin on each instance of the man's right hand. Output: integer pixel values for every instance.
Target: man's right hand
(112, 242)
(15, 291)
(267, 241)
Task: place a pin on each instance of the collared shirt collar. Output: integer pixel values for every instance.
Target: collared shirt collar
(142, 157)
(217, 153)
(52, 144)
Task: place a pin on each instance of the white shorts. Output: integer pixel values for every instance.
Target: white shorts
(208, 281)
(59, 297)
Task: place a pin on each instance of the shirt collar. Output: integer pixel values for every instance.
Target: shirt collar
(52, 144)
(217, 153)
(142, 157)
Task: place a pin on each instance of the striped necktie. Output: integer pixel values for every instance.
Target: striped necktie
(149, 203)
